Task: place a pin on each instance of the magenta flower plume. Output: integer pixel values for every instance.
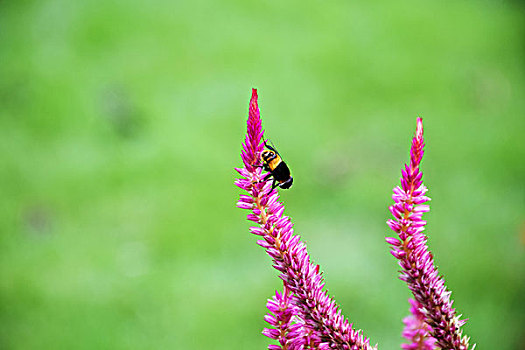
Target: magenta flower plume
(417, 330)
(319, 314)
(417, 263)
(285, 329)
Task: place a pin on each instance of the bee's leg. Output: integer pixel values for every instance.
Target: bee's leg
(274, 185)
(264, 166)
(266, 178)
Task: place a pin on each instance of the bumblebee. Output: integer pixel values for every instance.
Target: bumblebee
(272, 162)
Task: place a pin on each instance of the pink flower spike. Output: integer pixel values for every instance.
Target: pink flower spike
(308, 318)
(433, 318)
(287, 329)
(417, 331)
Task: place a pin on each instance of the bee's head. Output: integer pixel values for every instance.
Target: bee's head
(267, 155)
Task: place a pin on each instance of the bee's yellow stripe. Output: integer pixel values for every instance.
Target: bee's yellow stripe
(274, 163)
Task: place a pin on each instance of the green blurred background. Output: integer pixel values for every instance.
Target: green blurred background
(121, 122)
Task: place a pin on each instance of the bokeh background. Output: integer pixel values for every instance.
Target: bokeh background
(121, 122)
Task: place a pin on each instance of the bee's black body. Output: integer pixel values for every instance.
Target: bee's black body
(277, 168)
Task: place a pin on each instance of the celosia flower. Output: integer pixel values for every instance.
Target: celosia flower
(417, 263)
(417, 330)
(319, 313)
(286, 330)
